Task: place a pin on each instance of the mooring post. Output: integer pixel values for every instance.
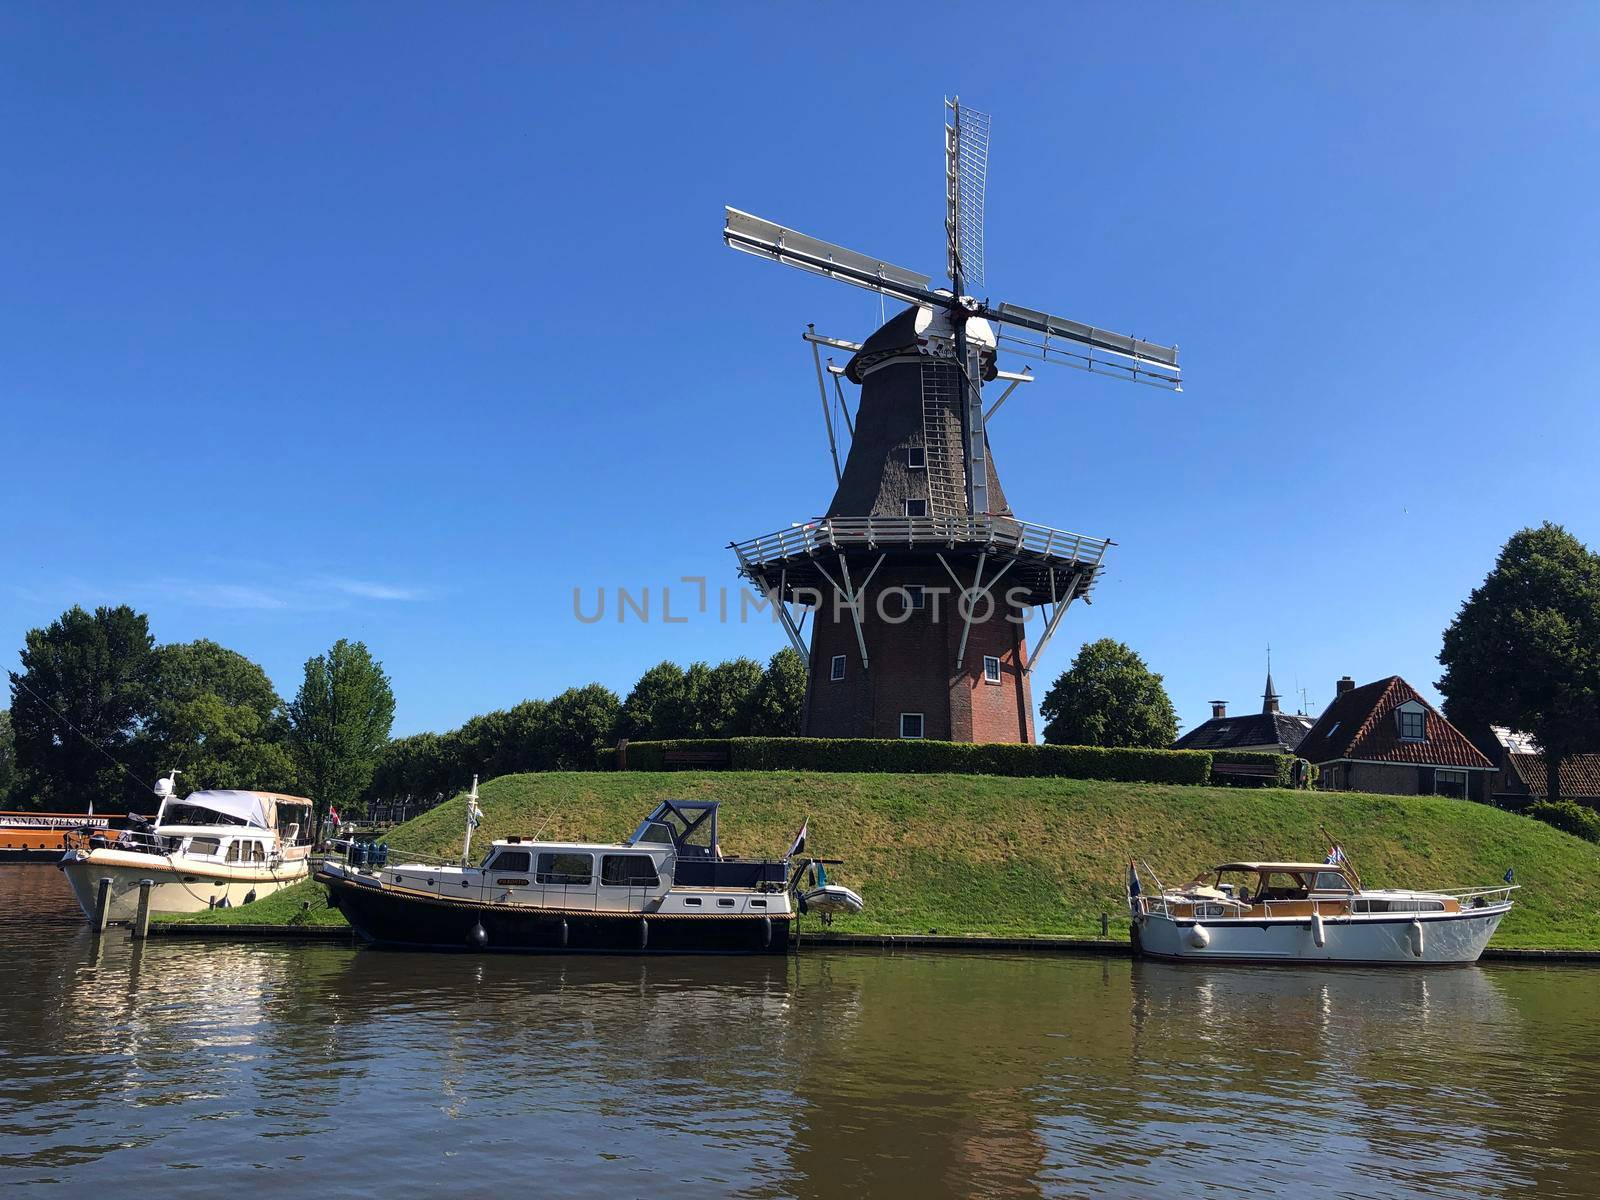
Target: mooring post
(141, 923)
(102, 905)
(1105, 924)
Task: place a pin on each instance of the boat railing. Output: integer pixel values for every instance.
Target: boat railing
(1164, 904)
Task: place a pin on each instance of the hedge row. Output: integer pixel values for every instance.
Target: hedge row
(1573, 818)
(936, 758)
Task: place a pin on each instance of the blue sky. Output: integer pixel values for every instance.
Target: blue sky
(399, 322)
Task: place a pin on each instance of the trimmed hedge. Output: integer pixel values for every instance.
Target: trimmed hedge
(932, 758)
(1568, 817)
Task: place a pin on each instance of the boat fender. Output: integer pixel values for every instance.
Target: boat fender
(1414, 932)
(250, 896)
(563, 933)
(479, 937)
(1199, 937)
(1319, 933)
(644, 933)
(766, 931)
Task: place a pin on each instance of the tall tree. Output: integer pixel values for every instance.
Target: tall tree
(339, 724)
(216, 716)
(580, 721)
(8, 758)
(1108, 697)
(654, 707)
(780, 699)
(77, 703)
(1524, 650)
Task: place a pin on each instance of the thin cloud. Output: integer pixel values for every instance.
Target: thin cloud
(367, 590)
(225, 595)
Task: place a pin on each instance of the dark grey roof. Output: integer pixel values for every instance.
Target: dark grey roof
(1250, 729)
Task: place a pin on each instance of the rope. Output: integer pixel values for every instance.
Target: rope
(18, 681)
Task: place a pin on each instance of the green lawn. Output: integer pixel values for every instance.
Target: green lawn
(303, 904)
(972, 854)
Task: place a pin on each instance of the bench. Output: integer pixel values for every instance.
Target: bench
(1266, 771)
(696, 758)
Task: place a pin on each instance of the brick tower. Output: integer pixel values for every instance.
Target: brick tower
(918, 577)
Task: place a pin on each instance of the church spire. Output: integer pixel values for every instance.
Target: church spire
(1269, 697)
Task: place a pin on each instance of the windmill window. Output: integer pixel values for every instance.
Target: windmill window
(911, 725)
(1412, 727)
(836, 669)
(991, 669)
(916, 508)
(916, 458)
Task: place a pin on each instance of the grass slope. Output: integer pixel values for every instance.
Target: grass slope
(280, 908)
(983, 854)
(975, 854)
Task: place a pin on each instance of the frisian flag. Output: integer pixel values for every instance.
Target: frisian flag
(799, 839)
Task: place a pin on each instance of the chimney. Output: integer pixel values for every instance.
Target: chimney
(1219, 708)
(1345, 684)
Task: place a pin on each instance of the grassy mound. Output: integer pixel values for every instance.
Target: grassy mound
(984, 854)
(304, 903)
(976, 854)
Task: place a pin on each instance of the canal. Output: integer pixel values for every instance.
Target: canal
(180, 1068)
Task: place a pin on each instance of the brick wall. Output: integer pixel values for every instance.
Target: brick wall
(913, 663)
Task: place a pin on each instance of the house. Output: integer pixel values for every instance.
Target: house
(1520, 774)
(1270, 731)
(1384, 737)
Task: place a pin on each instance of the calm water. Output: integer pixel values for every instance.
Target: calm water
(181, 1069)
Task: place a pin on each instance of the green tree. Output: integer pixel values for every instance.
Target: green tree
(1108, 697)
(654, 707)
(580, 722)
(1524, 650)
(77, 703)
(8, 758)
(216, 716)
(339, 723)
(780, 698)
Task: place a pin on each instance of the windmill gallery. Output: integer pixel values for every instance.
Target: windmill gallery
(918, 515)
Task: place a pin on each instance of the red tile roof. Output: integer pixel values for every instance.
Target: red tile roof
(1361, 725)
(1580, 774)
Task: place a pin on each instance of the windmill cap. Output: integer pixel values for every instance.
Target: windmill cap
(907, 332)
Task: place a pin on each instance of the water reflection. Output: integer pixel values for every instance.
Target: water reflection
(177, 1065)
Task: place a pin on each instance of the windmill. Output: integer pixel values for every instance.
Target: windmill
(918, 500)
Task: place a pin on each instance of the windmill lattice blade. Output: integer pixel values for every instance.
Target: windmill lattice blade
(767, 239)
(967, 173)
(1142, 353)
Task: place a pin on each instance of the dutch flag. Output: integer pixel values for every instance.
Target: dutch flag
(799, 839)
(1133, 881)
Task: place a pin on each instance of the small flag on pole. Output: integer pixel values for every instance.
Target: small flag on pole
(1335, 857)
(1133, 881)
(1511, 875)
(799, 839)
(333, 815)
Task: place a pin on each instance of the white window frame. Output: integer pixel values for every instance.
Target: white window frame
(836, 668)
(988, 659)
(1411, 709)
(916, 458)
(1466, 781)
(922, 727)
(910, 500)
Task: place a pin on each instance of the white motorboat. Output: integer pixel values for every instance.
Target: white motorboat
(1311, 912)
(207, 850)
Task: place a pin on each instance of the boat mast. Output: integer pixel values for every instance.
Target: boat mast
(474, 815)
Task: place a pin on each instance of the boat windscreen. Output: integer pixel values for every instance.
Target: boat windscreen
(194, 814)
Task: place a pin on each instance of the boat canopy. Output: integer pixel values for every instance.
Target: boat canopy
(689, 826)
(1293, 868)
(258, 809)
